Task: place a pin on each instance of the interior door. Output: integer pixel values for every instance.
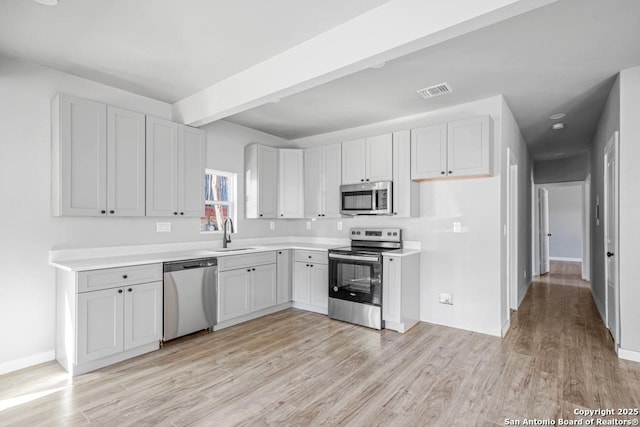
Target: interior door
(543, 196)
(611, 236)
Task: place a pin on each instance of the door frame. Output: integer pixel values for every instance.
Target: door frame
(586, 231)
(612, 144)
(540, 234)
(512, 231)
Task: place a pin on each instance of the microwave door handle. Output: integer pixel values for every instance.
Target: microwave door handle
(374, 200)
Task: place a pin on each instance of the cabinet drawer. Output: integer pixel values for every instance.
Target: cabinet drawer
(250, 260)
(113, 277)
(318, 257)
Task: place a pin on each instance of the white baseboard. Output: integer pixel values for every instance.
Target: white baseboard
(559, 258)
(506, 325)
(632, 355)
(25, 362)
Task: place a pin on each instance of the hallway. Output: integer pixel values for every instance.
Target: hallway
(572, 353)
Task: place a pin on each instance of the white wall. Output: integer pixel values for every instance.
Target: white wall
(512, 138)
(466, 264)
(629, 231)
(565, 220)
(28, 232)
(575, 168)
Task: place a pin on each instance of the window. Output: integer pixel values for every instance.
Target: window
(219, 200)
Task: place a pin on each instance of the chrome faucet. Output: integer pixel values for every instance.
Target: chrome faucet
(228, 229)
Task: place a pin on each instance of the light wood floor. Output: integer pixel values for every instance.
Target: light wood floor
(300, 368)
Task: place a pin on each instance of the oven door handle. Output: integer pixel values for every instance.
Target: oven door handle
(355, 257)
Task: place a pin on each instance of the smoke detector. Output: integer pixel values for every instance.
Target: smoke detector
(435, 90)
(557, 126)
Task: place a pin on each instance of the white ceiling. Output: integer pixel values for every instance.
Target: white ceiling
(164, 49)
(559, 58)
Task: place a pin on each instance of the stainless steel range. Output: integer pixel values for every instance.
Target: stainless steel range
(355, 276)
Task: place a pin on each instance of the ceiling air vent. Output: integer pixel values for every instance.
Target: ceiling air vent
(436, 90)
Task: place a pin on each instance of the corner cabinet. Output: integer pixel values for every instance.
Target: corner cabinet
(290, 183)
(367, 160)
(311, 281)
(461, 148)
(406, 193)
(98, 159)
(174, 169)
(108, 315)
(261, 181)
(322, 178)
(401, 291)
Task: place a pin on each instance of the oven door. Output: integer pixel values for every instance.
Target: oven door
(356, 278)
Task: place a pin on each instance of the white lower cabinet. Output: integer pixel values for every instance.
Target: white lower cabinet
(401, 291)
(311, 281)
(246, 284)
(119, 319)
(283, 276)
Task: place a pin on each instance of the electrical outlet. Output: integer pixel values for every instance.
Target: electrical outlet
(457, 227)
(272, 225)
(339, 225)
(524, 274)
(308, 225)
(163, 227)
(445, 298)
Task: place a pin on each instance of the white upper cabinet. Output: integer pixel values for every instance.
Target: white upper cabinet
(456, 149)
(125, 162)
(79, 157)
(290, 183)
(191, 147)
(322, 177)
(429, 152)
(379, 152)
(175, 169)
(261, 181)
(98, 159)
(469, 149)
(406, 193)
(367, 160)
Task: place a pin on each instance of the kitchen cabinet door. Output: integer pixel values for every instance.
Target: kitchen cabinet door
(319, 285)
(191, 152)
(100, 324)
(162, 167)
(354, 161)
(263, 286)
(283, 266)
(78, 162)
(125, 162)
(268, 182)
(142, 314)
(469, 149)
(331, 177)
(313, 182)
(290, 183)
(391, 291)
(406, 193)
(302, 283)
(379, 158)
(429, 152)
(234, 290)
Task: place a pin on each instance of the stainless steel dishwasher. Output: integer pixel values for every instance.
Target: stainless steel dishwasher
(190, 289)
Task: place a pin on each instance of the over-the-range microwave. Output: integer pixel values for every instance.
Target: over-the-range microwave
(369, 198)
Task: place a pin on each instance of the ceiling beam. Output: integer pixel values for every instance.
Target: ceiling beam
(389, 31)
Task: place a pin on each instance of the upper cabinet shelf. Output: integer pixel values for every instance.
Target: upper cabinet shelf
(462, 148)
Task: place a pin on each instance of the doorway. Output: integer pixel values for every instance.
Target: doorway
(611, 237)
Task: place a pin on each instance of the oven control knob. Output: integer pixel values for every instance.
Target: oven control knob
(388, 233)
(358, 233)
(395, 234)
(335, 289)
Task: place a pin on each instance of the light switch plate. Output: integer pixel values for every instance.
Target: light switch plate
(163, 227)
(339, 225)
(457, 227)
(445, 298)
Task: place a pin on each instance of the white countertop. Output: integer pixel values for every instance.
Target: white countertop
(99, 258)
